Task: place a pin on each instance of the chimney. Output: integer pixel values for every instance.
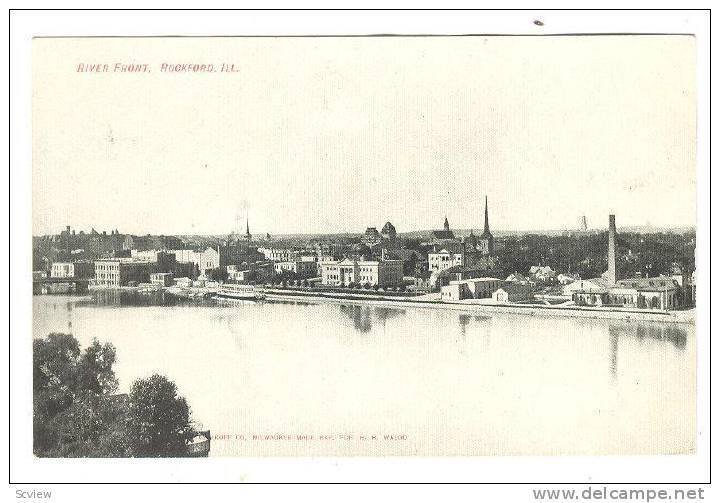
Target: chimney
(611, 250)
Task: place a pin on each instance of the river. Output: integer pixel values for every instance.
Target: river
(313, 379)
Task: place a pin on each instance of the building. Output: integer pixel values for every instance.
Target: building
(78, 270)
(302, 269)
(476, 288)
(251, 272)
(421, 281)
(650, 293)
(444, 234)
(593, 285)
(512, 292)
(279, 254)
(543, 274)
(518, 278)
(566, 279)
(62, 270)
(455, 273)
(371, 237)
(122, 271)
(640, 293)
(348, 272)
(235, 251)
(161, 278)
(205, 260)
(444, 259)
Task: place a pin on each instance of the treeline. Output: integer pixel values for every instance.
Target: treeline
(76, 412)
(586, 254)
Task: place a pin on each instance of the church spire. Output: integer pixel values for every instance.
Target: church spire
(487, 220)
(446, 226)
(247, 227)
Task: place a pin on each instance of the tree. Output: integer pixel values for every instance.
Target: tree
(76, 414)
(159, 418)
(94, 370)
(68, 387)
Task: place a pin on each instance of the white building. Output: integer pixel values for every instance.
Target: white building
(205, 260)
(439, 261)
(279, 254)
(476, 288)
(566, 279)
(373, 272)
(62, 270)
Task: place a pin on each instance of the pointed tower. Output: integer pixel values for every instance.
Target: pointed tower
(446, 225)
(486, 229)
(248, 236)
(487, 242)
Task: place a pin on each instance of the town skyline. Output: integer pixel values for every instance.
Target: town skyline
(258, 234)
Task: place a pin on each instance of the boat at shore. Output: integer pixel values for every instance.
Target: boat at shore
(241, 292)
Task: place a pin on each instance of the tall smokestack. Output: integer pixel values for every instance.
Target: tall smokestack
(611, 250)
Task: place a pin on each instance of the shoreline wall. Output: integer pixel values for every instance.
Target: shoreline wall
(687, 316)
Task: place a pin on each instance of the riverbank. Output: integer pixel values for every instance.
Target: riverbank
(480, 307)
(477, 306)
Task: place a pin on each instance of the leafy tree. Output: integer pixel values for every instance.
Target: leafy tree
(76, 414)
(159, 418)
(94, 369)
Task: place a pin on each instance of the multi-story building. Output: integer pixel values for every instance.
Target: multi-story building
(161, 278)
(371, 272)
(444, 259)
(371, 237)
(122, 271)
(303, 269)
(79, 269)
(279, 254)
(205, 260)
(62, 270)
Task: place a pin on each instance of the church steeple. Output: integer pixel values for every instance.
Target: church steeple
(487, 220)
(446, 226)
(487, 243)
(247, 228)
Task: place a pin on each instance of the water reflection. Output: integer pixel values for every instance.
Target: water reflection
(364, 316)
(132, 298)
(667, 332)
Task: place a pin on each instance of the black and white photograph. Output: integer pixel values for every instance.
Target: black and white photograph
(422, 246)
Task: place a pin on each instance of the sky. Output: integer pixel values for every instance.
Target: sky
(324, 135)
